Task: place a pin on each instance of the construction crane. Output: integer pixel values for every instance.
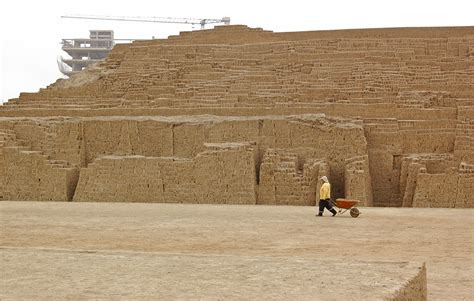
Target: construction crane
(84, 52)
(192, 21)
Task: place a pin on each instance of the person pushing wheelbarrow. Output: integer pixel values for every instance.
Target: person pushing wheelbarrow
(325, 197)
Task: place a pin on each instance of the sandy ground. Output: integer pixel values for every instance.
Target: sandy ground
(262, 240)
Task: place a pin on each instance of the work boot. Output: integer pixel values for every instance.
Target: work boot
(319, 214)
(334, 212)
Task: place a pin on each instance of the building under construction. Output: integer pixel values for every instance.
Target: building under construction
(84, 52)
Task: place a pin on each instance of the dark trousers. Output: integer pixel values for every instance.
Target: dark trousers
(325, 204)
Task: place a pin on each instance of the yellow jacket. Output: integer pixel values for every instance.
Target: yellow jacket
(325, 191)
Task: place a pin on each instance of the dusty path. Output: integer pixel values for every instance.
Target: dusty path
(443, 238)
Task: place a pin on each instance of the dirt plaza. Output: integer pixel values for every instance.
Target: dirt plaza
(183, 251)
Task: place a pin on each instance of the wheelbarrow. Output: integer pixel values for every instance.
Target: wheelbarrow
(345, 204)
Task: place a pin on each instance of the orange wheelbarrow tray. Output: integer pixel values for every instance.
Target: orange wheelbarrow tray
(345, 204)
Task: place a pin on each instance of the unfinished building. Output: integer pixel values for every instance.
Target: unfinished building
(248, 116)
(85, 52)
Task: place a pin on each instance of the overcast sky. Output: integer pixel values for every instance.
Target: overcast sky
(31, 31)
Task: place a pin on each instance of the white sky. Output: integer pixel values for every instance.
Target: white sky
(31, 31)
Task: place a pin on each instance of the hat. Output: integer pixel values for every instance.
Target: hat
(325, 179)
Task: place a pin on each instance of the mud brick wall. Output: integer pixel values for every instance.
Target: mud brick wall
(2, 167)
(314, 138)
(223, 173)
(67, 142)
(162, 136)
(408, 178)
(81, 141)
(289, 179)
(444, 190)
(358, 184)
(414, 167)
(311, 136)
(2, 175)
(127, 137)
(59, 138)
(390, 139)
(78, 142)
(135, 179)
(7, 139)
(391, 94)
(385, 147)
(29, 176)
(233, 177)
(465, 189)
(239, 67)
(464, 143)
(343, 109)
(427, 136)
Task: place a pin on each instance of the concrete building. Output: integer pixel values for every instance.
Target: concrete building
(84, 52)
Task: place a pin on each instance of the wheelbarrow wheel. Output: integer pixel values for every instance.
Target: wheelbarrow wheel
(354, 212)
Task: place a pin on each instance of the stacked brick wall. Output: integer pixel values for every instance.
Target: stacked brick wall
(134, 179)
(358, 184)
(2, 173)
(28, 170)
(309, 137)
(434, 180)
(464, 142)
(286, 70)
(6, 138)
(444, 190)
(31, 176)
(233, 176)
(185, 136)
(427, 136)
(348, 110)
(288, 179)
(401, 94)
(223, 173)
(408, 178)
(59, 138)
(385, 146)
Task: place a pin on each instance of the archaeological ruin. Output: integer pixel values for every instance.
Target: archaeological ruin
(241, 115)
